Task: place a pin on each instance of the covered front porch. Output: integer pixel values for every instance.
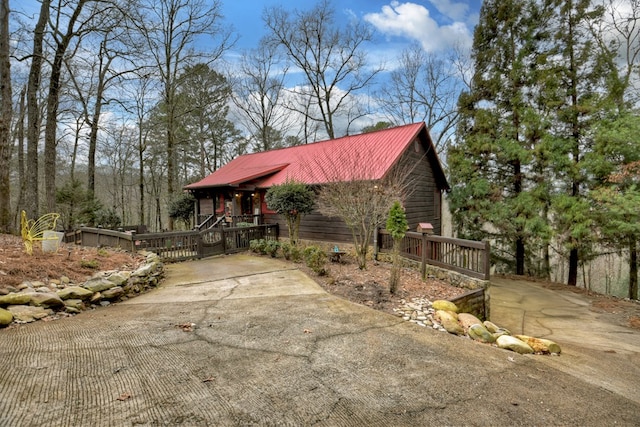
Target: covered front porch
(228, 206)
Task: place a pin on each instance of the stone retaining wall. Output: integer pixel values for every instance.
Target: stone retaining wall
(32, 301)
(476, 301)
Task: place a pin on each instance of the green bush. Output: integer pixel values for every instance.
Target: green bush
(286, 250)
(272, 247)
(258, 246)
(316, 259)
(291, 252)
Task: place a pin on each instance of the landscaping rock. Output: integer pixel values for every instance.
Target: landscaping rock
(540, 345)
(490, 326)
(15, 299)
(6, 317)
(514, 344)
(48, 299)
(31, 301)
(113, 293)
(27, 313)
(466, 320)
(477, 332)
(98, 284)
(74, 292)
(145, 270)
(76, 304)
(444, 305)
(119, 278)
(449, 321)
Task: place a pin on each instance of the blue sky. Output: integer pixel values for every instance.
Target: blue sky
(436, 24)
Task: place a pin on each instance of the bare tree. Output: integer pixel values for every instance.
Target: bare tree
(361, 201)
(33, 112)
(170, 29)
(425, 87)
(258, 95)
(61, 40)
(6, 112)
(620, 32)
(332, 59)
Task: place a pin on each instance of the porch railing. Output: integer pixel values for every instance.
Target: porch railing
(468, 257)
(177, 245)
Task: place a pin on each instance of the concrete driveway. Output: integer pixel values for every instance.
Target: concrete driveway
(269, 347)
(594, 349)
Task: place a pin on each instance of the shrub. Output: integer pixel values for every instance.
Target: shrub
(315, 258)
(89, 263)
(291, 252)
(258, 246)
(286, 250)
(272, 247)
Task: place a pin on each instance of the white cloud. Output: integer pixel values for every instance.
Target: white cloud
(414, 21)
(455, 11)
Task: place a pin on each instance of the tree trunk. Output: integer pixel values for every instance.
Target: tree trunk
(633, 268)
(31, 199)
(572, 280)
(95, 121)
(53, 102)
(141, 178)
(20, 138)
(6, 108)
(520, 253)
(394, 279)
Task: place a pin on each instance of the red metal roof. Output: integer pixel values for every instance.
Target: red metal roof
(364, 156)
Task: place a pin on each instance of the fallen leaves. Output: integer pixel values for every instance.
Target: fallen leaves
(186, 327)
(124, 396)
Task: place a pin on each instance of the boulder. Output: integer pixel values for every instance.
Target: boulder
(444, 305)
(514, 344)
(74, 292)
(477, 332)
(491, 327)
(15, 299)
(27, 313)
(76, 304)
(449, 321)
(6, 317)
(98, 284)
(467, 319)
(119, 278)
(113, 293)
(540, 345)
(45, 299)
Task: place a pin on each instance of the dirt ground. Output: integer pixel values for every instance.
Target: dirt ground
(75, 262)
(368, 287)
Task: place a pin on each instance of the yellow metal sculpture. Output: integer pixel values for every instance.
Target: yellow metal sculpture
(33, 231)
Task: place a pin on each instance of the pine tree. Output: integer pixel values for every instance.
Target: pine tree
(576, 97)
(493, 164)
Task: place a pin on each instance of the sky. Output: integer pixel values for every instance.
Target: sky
(437, 25)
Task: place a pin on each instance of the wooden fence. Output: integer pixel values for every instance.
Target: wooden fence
(177, 245)
(464, 256)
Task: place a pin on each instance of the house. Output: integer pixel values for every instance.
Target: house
(237, 190)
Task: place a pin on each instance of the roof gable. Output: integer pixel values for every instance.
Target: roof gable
(365, 156)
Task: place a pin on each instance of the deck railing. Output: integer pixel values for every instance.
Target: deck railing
(464, 256)
(177, 245)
